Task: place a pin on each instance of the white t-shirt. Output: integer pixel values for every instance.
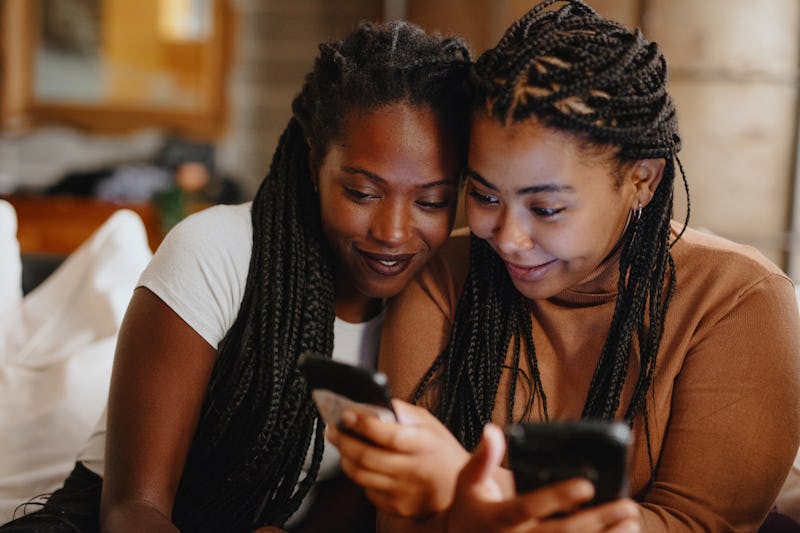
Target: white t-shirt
(200, 272)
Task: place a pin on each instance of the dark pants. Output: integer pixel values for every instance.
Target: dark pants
(778, 523)
(73, 507)
(340, 506)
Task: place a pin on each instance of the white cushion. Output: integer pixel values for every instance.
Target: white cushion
(10, 264)
(56, 353)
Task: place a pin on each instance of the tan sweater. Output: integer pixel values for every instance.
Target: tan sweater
(724, 408)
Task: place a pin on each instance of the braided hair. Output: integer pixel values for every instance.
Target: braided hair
(245, 464)
(573, 70)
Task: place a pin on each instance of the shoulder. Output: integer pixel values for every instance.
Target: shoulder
(442, 279)
(213, 233)
(200, 269)
(721, 265)
(226, 225)
(723, 286)
(418, 321)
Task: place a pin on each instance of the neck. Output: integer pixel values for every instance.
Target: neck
(353, 306)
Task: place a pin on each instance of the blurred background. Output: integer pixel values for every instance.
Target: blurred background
(167, 106)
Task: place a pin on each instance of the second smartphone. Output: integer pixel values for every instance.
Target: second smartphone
(544, 453)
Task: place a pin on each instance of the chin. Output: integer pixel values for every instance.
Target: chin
(540, 292)
(382, 290)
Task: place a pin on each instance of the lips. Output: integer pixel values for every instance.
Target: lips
(529, 273)
(387, 264)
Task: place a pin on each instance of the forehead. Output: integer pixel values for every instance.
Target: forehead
(392, 119)
(527, 150)
(399, 138)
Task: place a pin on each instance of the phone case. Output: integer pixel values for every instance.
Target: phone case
(335, 385)
(543, 453)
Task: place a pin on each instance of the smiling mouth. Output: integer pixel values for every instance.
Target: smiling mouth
(528, 273)
(387, 264)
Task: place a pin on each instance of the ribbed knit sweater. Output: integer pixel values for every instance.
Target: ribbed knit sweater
(724, 406)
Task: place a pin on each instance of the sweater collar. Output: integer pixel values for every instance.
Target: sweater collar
(600, 286)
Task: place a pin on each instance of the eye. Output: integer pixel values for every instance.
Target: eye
(546, 212)
(359, 195)
(482, 198)
(434, 205)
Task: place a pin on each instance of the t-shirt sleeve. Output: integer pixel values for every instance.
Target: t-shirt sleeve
(200, 269)
(735, 419)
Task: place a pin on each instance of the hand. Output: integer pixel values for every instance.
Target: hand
(407, 469)
(481, 504)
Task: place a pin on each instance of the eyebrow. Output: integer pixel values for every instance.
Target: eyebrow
(376, 178)
(545, 187)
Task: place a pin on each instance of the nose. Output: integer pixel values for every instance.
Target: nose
(391, 224)
(511, 234)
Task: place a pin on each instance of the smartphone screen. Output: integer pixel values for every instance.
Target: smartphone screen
(336, 385)
(543, 453)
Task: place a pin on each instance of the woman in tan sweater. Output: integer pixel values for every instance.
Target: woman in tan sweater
(577, 297)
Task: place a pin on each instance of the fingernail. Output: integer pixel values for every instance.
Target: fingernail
(627, 528)
(349, 418)
(581, 489)
(625, 510)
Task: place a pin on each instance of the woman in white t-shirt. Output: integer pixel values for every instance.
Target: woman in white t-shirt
(210, 425)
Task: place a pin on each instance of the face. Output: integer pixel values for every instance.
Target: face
(388, 189)
(552, 211)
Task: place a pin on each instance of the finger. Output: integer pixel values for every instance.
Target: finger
(369, 479)
(627, 526)
(616, 514)
(343, 437)
(408, 439)
(562, 497)
(365, 455)
(421, 430)
(487, 456)
(332, 435)
(410, 414)
(351, 445)
(370, 427)
(532, 510)
(619, 513)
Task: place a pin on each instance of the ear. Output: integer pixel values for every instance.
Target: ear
(645, 175)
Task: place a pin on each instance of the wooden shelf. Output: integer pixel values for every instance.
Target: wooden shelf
(58, 225)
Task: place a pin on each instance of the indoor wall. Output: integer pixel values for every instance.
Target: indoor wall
(733, 72)
(733, 76)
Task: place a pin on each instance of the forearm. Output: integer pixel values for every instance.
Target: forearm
(662, 519)
(134, 517)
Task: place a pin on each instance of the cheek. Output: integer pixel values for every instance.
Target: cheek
(435, 229)
(480, 221)
(585, 240)
(569, 246)
(342, 220)
(438, 231)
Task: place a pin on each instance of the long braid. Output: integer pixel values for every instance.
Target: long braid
(268, 406)
(577, 72)
(246, 464)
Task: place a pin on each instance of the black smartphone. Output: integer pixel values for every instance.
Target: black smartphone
(335, 385)
(542, 453)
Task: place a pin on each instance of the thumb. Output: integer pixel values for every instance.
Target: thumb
(486, 457)
(409, 414)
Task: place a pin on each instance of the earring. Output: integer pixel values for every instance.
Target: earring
(638, 211)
